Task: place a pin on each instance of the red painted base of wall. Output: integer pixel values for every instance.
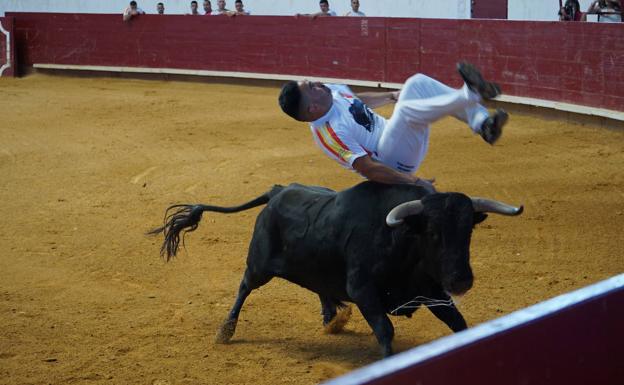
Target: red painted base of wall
(7, 47)
(579, 63)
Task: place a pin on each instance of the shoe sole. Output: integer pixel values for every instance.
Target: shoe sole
(473, 78)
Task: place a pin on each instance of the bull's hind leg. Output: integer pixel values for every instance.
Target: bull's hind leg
(249, 283)
(335, 315)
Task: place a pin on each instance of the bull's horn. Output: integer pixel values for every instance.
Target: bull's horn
(491, 206)
(396, 215)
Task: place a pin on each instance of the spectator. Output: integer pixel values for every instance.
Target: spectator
(194, 8)
(240, 9)
(221, 10)
(325, 11)
(355, 9)
(160, 8)
(571, 11)
(207, 7)
(132, 11)
(608, 11)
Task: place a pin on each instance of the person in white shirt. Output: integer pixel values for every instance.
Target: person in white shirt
(390, 150)
(355, 9)
(131, 11)
(325, 11)
(221, 10)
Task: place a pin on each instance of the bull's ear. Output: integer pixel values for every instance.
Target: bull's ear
(479, 217)
(417, 222)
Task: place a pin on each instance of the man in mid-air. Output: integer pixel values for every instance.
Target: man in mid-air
(390, 150)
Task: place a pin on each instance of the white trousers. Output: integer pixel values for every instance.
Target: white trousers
(423, 100)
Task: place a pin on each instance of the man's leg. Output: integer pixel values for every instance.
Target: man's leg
(423, 100)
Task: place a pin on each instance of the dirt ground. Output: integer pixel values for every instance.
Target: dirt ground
(88, 165)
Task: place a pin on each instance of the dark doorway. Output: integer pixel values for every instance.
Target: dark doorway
(489, 9)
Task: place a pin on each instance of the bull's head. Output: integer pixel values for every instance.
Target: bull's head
(444, 225)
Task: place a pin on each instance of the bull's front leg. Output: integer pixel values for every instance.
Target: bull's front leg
(450, 315)
(365, 296)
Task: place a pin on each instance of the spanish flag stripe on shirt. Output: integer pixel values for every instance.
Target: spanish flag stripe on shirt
(336, 138)
(333, 144)
(327, 147)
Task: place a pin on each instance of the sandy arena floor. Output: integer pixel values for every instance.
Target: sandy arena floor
(88, 165)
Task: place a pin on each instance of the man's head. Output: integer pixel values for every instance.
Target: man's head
(355, 5)
(194, 7)
(221, 5)
(133, 5)
(238, 4)
(324, 5)
(160, 8)
(305, 101)
(207, 6)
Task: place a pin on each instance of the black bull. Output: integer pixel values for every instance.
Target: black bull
(376, 245)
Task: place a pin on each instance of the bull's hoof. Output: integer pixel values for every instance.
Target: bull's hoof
(226, 331)
(337, 324)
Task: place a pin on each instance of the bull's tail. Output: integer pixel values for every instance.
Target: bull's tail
(185, 218)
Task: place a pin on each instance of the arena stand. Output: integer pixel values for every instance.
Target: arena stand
(567, 66)
(7, 47)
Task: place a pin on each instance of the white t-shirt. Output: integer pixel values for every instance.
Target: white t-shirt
(138, 10)
(358, 13)
(349, 130)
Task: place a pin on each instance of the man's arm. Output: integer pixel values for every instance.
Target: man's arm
(378, 172)
(378, 99)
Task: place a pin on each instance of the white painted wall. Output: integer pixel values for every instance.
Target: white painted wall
(449, 9)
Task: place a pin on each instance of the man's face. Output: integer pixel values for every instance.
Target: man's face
(221, 4)
(133, 7)
(324, 7)
(313, 94)
(160, 8)
(207, 7)
(239, 7)
(194, 7)
(355, 5)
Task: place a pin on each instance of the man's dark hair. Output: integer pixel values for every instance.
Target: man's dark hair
(133, 3)
(238, 1)
(161, 4)
(193, 2)
(289, 99)
(324, 2)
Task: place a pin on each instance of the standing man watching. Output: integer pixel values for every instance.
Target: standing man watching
(194, 6)
(132, 11)
(221, 10)
(390, 151)
(239, 9)
(160, 8)
(355, 9)
(207, 7)
(325, 11)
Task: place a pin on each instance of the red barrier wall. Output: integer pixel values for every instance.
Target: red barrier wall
(578, 63)
(7, 49)
(577, 344)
